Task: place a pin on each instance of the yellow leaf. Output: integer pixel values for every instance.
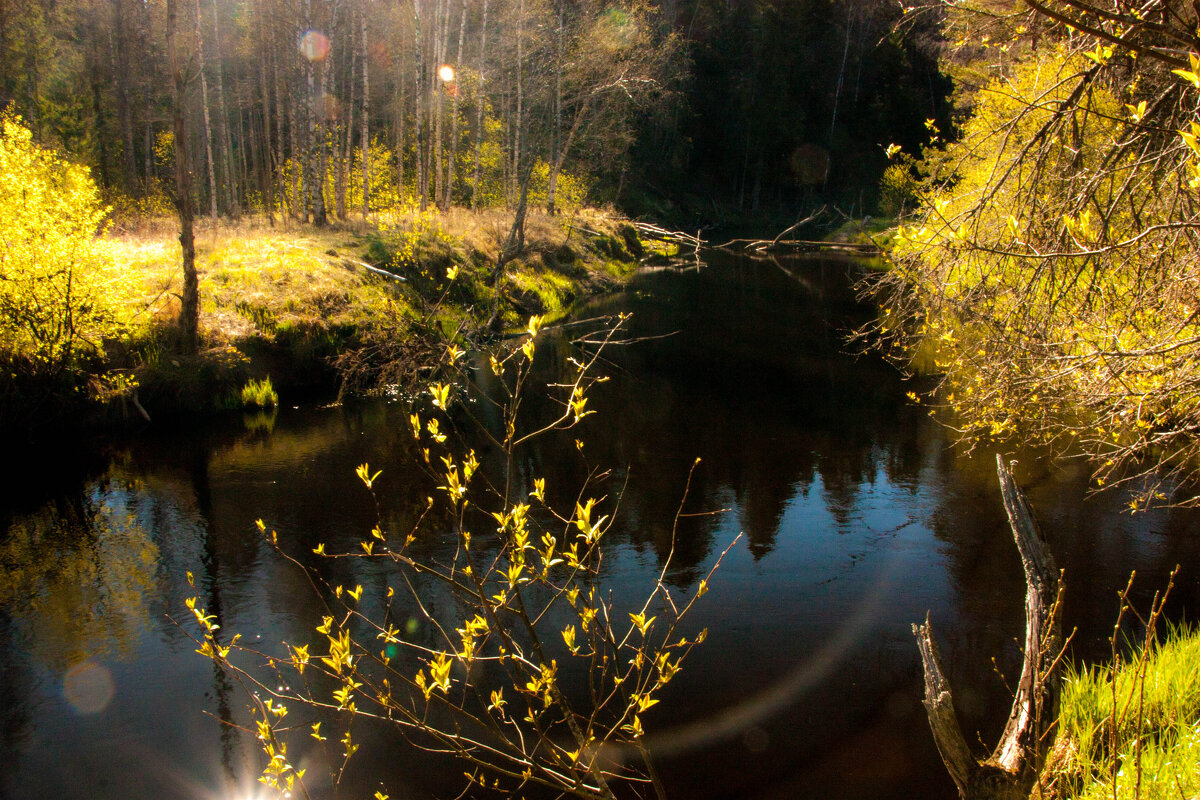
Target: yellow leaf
(364, 473)
(1189, 76)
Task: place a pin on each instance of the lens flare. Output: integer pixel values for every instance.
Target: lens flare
(446, 73)
(88, 687)
(314, 45)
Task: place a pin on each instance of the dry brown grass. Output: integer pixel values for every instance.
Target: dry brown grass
(256, 278)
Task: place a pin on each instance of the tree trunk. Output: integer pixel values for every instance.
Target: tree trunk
(436, 86)
(1012, 770)
(564, 148)
(512, 247)
(124, 101)
(480, 102)
(286, 103)
(6, 13)
(212, 168)
(32, 82)
(556, 148)
(189, 309)
(98, 117)
(320, 214)
(837, 92)
(226, 141)
(518, 185)
(245, 159)
(366, 119)
(398, 116)
(347, 138)
(421, 122)
(452, 156)
(267, 170)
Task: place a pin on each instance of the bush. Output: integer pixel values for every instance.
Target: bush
(55, 294)
(528, 669)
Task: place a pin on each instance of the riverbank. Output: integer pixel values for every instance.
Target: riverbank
(349, 307)
(1131, 729)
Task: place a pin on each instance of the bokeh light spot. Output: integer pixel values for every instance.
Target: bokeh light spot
(314, 45)
(88, 687)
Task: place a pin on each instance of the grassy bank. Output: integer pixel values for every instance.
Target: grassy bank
(355, 305)
(1132, 731)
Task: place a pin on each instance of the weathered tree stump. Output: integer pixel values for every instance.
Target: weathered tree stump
(1011, 771)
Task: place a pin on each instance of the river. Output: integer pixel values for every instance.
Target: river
(858, 515)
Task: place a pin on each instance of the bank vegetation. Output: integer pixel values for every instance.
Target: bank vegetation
(1048, 275)
(91, 299)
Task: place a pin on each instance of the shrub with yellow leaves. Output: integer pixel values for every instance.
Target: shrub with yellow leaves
(532, 673)
(52, 307)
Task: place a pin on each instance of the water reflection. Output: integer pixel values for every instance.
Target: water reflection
(78, 577)
(858, 515)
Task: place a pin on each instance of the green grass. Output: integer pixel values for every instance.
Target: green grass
(1129, 737)
(259, 394)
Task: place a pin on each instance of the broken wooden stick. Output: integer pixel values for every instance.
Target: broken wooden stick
(1012, 769)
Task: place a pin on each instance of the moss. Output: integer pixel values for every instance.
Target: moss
(629, 236)
(543, 291)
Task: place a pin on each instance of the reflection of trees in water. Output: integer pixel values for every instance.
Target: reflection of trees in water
(78, 575)
(738, 368)
(211, 581)
(16, 701)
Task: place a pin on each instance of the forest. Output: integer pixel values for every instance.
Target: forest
(703, 112)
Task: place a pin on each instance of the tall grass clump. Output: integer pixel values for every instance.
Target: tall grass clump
(1130, 730)
(259, 394)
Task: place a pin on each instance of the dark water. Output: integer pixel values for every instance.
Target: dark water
(858, 515)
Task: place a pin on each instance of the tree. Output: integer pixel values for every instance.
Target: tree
(615, 63)
(189, 305)
(1051, 279)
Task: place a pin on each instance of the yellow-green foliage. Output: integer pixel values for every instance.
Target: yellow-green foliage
(899, 190)
(56, 294)
(385, 194)
(420, 231)
(1051, 279)
(553, 290)
(570, 191)
(1149, 740)
(259, 394)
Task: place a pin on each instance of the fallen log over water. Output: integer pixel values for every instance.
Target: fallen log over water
(799, 245)
(1010, 772)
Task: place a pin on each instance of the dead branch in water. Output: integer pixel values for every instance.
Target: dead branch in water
(1011, 770)
(765, 245)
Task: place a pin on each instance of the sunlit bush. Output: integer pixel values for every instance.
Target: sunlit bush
(56, 296)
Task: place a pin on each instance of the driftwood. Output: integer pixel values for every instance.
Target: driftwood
(807, 245)
(648, 231)
(1012, 768)
(759, 246)
(353, 262)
